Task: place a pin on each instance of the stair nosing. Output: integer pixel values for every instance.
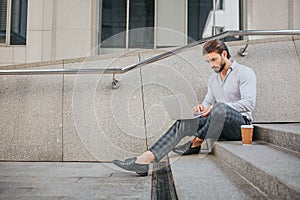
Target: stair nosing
(286, 139)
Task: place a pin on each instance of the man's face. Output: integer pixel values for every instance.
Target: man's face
(216, 61)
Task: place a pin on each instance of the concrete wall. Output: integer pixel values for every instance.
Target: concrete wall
(74, 29)
(173, 20)
(39, 36)
(80, 118)
(269, 14)
(56, 29)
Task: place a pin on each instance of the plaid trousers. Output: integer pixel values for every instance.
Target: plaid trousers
(223, 122)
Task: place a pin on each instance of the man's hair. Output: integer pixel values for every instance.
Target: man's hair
(216, 46)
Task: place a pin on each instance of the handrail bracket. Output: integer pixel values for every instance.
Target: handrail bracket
(244, 50)
(115, 83)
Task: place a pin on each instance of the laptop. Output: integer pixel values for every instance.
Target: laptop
(178, 107)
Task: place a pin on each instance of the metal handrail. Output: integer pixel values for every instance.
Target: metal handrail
(149, 60)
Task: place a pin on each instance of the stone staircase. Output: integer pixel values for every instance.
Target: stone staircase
(269, 169)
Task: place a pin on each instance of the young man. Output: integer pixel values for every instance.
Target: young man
(228, 104)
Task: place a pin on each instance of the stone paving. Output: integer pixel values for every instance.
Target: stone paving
(44, 180)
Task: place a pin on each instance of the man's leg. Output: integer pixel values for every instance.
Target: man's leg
(172, 137)
(222, 121)
(221, 117)
(194, 146)
(163, 146)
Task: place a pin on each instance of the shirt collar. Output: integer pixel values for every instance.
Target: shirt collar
(232, 66)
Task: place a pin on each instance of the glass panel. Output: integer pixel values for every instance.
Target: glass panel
(141, 19)
(18, 22)
(198, 12)
(113, 24)
(203, 22)
(3, 15)
(227, 17)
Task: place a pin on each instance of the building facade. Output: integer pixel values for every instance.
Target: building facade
(47, 30)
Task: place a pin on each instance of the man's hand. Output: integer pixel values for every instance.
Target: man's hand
(201, 110)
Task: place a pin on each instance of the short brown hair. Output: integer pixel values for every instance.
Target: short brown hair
(217, 46)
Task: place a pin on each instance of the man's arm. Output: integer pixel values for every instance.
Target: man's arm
(209, 99)
(207, 104)
(247, 87)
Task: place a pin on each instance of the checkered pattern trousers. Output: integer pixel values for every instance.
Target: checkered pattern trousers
(223, 122)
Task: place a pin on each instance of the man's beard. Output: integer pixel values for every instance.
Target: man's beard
(221, 68)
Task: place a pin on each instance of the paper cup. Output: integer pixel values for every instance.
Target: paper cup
(247, 134)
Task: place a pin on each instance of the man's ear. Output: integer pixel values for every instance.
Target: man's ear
(224, 53)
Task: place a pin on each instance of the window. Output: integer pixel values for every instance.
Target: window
(141, 19)
(198, 12)
(124, 24)
(3, 20)
(113, 23)
(117, 19)
(210, 17)
(15, 12)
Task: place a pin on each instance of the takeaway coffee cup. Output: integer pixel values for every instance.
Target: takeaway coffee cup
(247, 133)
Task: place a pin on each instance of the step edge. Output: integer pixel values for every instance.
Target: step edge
(278, 137)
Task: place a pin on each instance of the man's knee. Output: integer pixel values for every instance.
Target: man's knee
(187, 126)
(219, 109)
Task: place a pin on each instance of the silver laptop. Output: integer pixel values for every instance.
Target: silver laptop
(178, 107)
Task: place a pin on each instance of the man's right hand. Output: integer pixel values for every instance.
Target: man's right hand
(201, 110)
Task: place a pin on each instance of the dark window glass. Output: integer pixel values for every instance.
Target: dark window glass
(141, 23)
(198, 11)
(113, 23)
(18, 22)
(3, 15)
(221, 5)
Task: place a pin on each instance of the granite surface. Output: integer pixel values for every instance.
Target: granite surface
(101, 123)
(274, 171)
(31, 117)
(207, 178)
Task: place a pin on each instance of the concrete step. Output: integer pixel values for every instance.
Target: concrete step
(207, 178)
(275, 172)
(283, 135)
